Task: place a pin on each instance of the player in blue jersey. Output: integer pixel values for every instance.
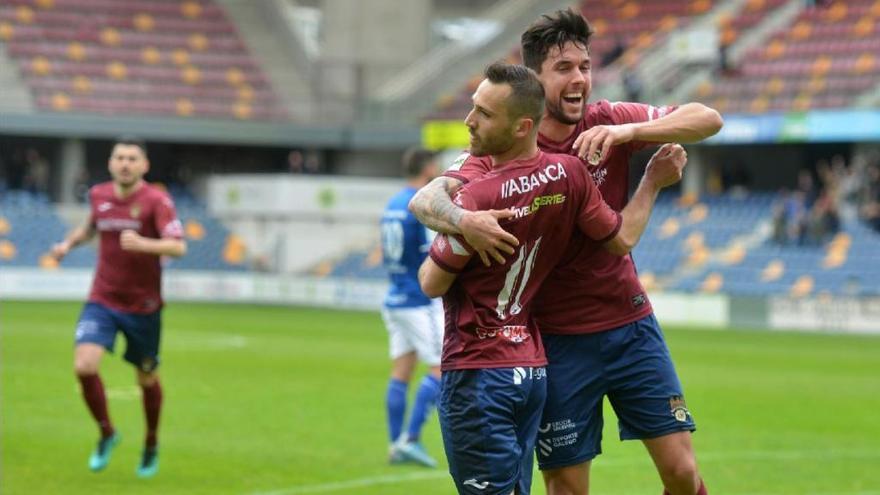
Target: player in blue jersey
(414, 321)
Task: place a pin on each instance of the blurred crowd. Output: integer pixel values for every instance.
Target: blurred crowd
(812, 212)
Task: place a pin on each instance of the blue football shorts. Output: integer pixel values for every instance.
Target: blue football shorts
(99, 324)
(632, 366)
(489, 418)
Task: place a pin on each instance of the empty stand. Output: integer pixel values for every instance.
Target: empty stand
(824, 59)
(163, 58)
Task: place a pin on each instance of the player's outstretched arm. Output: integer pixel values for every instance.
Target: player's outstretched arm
(434, 280)
(77, 236)
(689, 123)
(167, 246)
(664, 169)
(432, 205)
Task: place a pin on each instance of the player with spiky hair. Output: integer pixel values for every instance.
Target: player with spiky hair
(137, 225)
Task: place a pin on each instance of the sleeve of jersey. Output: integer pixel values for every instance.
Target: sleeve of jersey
(167, 222)
(467, 167)
(628, 113)
(451, 253)
(597, 220)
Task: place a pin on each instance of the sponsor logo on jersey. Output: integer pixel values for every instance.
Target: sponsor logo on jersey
(537, 203)
(599, 175)
(526, 183)
(106, 205)
(117, 224)
(514, 333)
(678, 408)
(638, 300)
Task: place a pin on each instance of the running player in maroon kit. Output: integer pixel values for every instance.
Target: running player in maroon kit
(137, 225)
(594, 315)
(493, 384)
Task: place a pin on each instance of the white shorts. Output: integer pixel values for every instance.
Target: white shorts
(417, 329)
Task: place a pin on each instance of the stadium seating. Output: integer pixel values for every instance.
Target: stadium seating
(636, 24)
(717, 244)
(825, 58)
(114, 57)
(29, 226)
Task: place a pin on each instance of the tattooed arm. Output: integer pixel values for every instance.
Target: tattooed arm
(433, 206)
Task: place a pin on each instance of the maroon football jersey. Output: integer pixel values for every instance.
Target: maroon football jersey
(591, 290)
(488, 318)
(125, 280)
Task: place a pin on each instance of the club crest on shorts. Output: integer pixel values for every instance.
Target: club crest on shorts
(148, 364)
(678, 408)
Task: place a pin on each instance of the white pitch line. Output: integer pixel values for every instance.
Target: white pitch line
(391, 479)
(768, 455)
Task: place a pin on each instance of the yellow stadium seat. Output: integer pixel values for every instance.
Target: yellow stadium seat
(190, 9)
(60, 102)
(198, 42)
(110, 36)
(41, 66)
(374, 257)
(76, 51)
(698, 213)
(82, 84)
(191, 75)
(6, 31)
(180, 56)
(24, 14)
(116, 70)
(649, 281)
(143, 22)
(194, 230)
(184, 107)
(151, 55)
(242, 110)
(669, 228)
(712, 283)
(773, 271)
(734, 255)
(7, 250)
(5, 226)
(48, 262)
(775, 49)
(803, 286)
(235, 250)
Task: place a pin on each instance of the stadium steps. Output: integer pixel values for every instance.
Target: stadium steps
(15, 97)
(279, 52)
(414, 92)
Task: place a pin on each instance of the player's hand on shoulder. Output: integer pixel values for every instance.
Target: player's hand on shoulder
(59, 250)
(667, 165)
(594, 144)
(129, 240)
(481, 230)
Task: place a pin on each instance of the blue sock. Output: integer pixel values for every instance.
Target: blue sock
(395, 402)
(425, 400)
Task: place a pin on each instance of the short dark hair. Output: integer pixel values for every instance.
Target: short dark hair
(527, 95)
(132, 141)
(415, 160)
(556, 29)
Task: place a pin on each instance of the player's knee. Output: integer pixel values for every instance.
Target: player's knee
(147, 379)
(83, 366)
(683, 471)
(565, 482)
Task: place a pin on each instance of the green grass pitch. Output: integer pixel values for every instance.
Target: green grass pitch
(287, 401)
